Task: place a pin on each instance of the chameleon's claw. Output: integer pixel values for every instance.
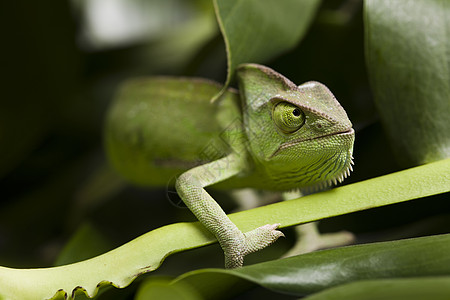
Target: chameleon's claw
(262, 237)
(252, 241)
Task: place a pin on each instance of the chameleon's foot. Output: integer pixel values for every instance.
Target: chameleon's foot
(250, 242)
(309, 239)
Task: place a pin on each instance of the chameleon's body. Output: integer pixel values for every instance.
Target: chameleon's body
(275, 136)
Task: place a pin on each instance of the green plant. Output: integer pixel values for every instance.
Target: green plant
(406, 58)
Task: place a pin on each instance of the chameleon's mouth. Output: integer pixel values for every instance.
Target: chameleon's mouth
(346, 132)
(297, 141)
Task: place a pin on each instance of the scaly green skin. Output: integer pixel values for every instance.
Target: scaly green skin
(280, 137)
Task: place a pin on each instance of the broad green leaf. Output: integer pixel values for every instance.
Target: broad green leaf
(418, 182)
(408, 60)
(436, 288)
(258, 30)
(160, 288)
(144, 254)
(313, 272)
(117, 267)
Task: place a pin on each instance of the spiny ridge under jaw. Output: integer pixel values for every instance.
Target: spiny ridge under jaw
(332, 181)
(340, 177)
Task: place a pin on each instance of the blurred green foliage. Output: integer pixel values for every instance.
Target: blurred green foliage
(61, 72)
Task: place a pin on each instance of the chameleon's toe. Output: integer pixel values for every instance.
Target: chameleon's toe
(261, 237)
(250, 242)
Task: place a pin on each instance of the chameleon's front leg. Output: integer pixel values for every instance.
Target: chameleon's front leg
(235, 244)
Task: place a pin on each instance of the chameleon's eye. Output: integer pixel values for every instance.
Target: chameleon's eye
(288, 117)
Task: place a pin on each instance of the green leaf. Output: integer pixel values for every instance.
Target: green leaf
(160, 288)
(144, 254)
(258, 30)
(117, 267)
(408, 60)
(436, 288)
(414, 183)
(313, 272)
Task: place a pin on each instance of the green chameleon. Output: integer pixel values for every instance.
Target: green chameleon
(274, 135)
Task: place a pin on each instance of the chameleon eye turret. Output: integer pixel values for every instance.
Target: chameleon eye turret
(288, 117)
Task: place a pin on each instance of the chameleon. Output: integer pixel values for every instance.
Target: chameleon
(269, 135)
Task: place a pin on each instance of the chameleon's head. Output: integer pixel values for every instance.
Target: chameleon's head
(300, 136)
